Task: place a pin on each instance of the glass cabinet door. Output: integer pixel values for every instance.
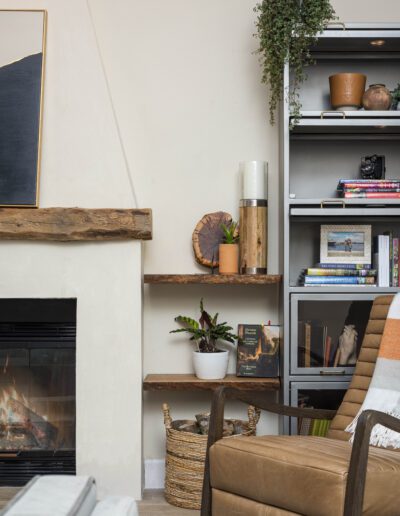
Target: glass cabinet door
(326, 332)
(317, 395)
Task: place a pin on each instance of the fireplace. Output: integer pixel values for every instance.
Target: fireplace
(37, 388)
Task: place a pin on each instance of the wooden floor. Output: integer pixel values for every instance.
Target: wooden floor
(6, 493)
(153, 503)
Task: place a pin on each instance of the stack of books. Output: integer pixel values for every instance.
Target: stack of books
(369, 188)
(337, 274)
(386, 259)
(315, 345)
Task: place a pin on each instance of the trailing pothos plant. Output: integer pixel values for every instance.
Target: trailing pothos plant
(286, 30)
(395, 96)
(231, 234)
(207, 332)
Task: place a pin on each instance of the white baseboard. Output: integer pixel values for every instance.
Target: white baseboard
(154, 473)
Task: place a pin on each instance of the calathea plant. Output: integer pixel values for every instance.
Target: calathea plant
(286, 30)
(207, 332)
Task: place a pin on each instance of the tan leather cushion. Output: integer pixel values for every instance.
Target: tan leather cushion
(302, 474)
(365, 366)
(227, 504)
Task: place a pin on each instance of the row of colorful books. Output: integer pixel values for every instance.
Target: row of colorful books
(369, 188)
(316, 427)
(309, 426)
(315, 346)
(386, 259)
(337, 274)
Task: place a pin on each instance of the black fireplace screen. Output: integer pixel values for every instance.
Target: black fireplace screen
(37, 386)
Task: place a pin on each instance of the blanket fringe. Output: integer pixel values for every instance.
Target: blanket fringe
(380, 435)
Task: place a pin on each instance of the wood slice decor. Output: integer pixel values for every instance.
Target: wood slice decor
(208, 235)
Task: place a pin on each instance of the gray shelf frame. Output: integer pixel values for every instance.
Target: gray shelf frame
(345, 212)
(351, 43)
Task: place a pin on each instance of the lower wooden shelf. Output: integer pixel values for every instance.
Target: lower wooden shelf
(185, 382)
(213, 279)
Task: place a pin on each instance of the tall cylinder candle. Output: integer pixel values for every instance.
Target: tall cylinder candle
(253, 228)
(253, 224)
(254, 179)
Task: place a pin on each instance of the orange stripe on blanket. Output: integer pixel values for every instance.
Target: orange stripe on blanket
(390, 345)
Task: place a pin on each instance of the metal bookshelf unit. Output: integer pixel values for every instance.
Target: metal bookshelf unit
(324, 147)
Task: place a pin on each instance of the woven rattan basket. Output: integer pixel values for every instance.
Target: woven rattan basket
(186, 453)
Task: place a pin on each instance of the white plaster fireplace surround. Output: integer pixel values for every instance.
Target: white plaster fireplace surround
(105, 278)
(83, 165)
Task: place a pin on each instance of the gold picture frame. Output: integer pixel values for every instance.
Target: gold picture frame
(21, 135)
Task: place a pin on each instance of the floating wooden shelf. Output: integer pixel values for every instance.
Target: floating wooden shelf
(189, 382)
(213, 279)
(75, 224)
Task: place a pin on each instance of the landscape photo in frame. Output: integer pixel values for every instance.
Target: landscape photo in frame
(22, 58)
(345, 244)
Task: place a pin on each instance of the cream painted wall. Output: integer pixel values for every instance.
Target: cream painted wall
(187, 93)
(82, 162)
(186, 89)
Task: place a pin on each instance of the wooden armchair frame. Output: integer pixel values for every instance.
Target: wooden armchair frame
(355, 486)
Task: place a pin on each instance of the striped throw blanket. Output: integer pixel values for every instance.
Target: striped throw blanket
(384, 391)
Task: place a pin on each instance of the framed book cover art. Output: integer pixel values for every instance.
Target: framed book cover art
(258, 350)
(350, 244)
(22, 63)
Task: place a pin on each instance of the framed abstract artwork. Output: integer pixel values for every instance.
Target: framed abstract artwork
(22, 58)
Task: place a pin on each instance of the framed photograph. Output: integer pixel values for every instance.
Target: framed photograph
(345, 244)
(22, 56)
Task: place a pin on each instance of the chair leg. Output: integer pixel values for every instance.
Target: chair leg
(214, 434)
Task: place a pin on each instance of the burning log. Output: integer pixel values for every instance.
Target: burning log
(44, 432)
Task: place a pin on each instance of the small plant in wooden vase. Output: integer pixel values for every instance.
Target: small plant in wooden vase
(210, 362)
(229, 250)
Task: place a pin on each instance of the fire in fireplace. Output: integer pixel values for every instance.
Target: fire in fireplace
(37, 388)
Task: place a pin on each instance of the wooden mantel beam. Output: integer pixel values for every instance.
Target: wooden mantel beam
(75, 224)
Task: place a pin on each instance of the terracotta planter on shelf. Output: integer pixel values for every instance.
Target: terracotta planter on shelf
(228, 258)
(347, 90)
(377, 98)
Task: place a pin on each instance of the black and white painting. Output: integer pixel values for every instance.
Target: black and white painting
(22, 39)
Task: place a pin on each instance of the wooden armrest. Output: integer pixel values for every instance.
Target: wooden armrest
(359, 458)
(257, 399)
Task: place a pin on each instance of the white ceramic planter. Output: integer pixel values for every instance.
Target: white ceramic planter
(210, 366)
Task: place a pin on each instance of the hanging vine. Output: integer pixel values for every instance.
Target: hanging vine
(286, 30)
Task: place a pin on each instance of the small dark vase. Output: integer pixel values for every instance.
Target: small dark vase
(377, 98)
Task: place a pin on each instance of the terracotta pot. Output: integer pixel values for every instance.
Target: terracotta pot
(228, 258)
(377, 98)
(347, 90)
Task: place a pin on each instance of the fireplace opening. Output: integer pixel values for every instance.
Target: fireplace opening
(37, 388)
